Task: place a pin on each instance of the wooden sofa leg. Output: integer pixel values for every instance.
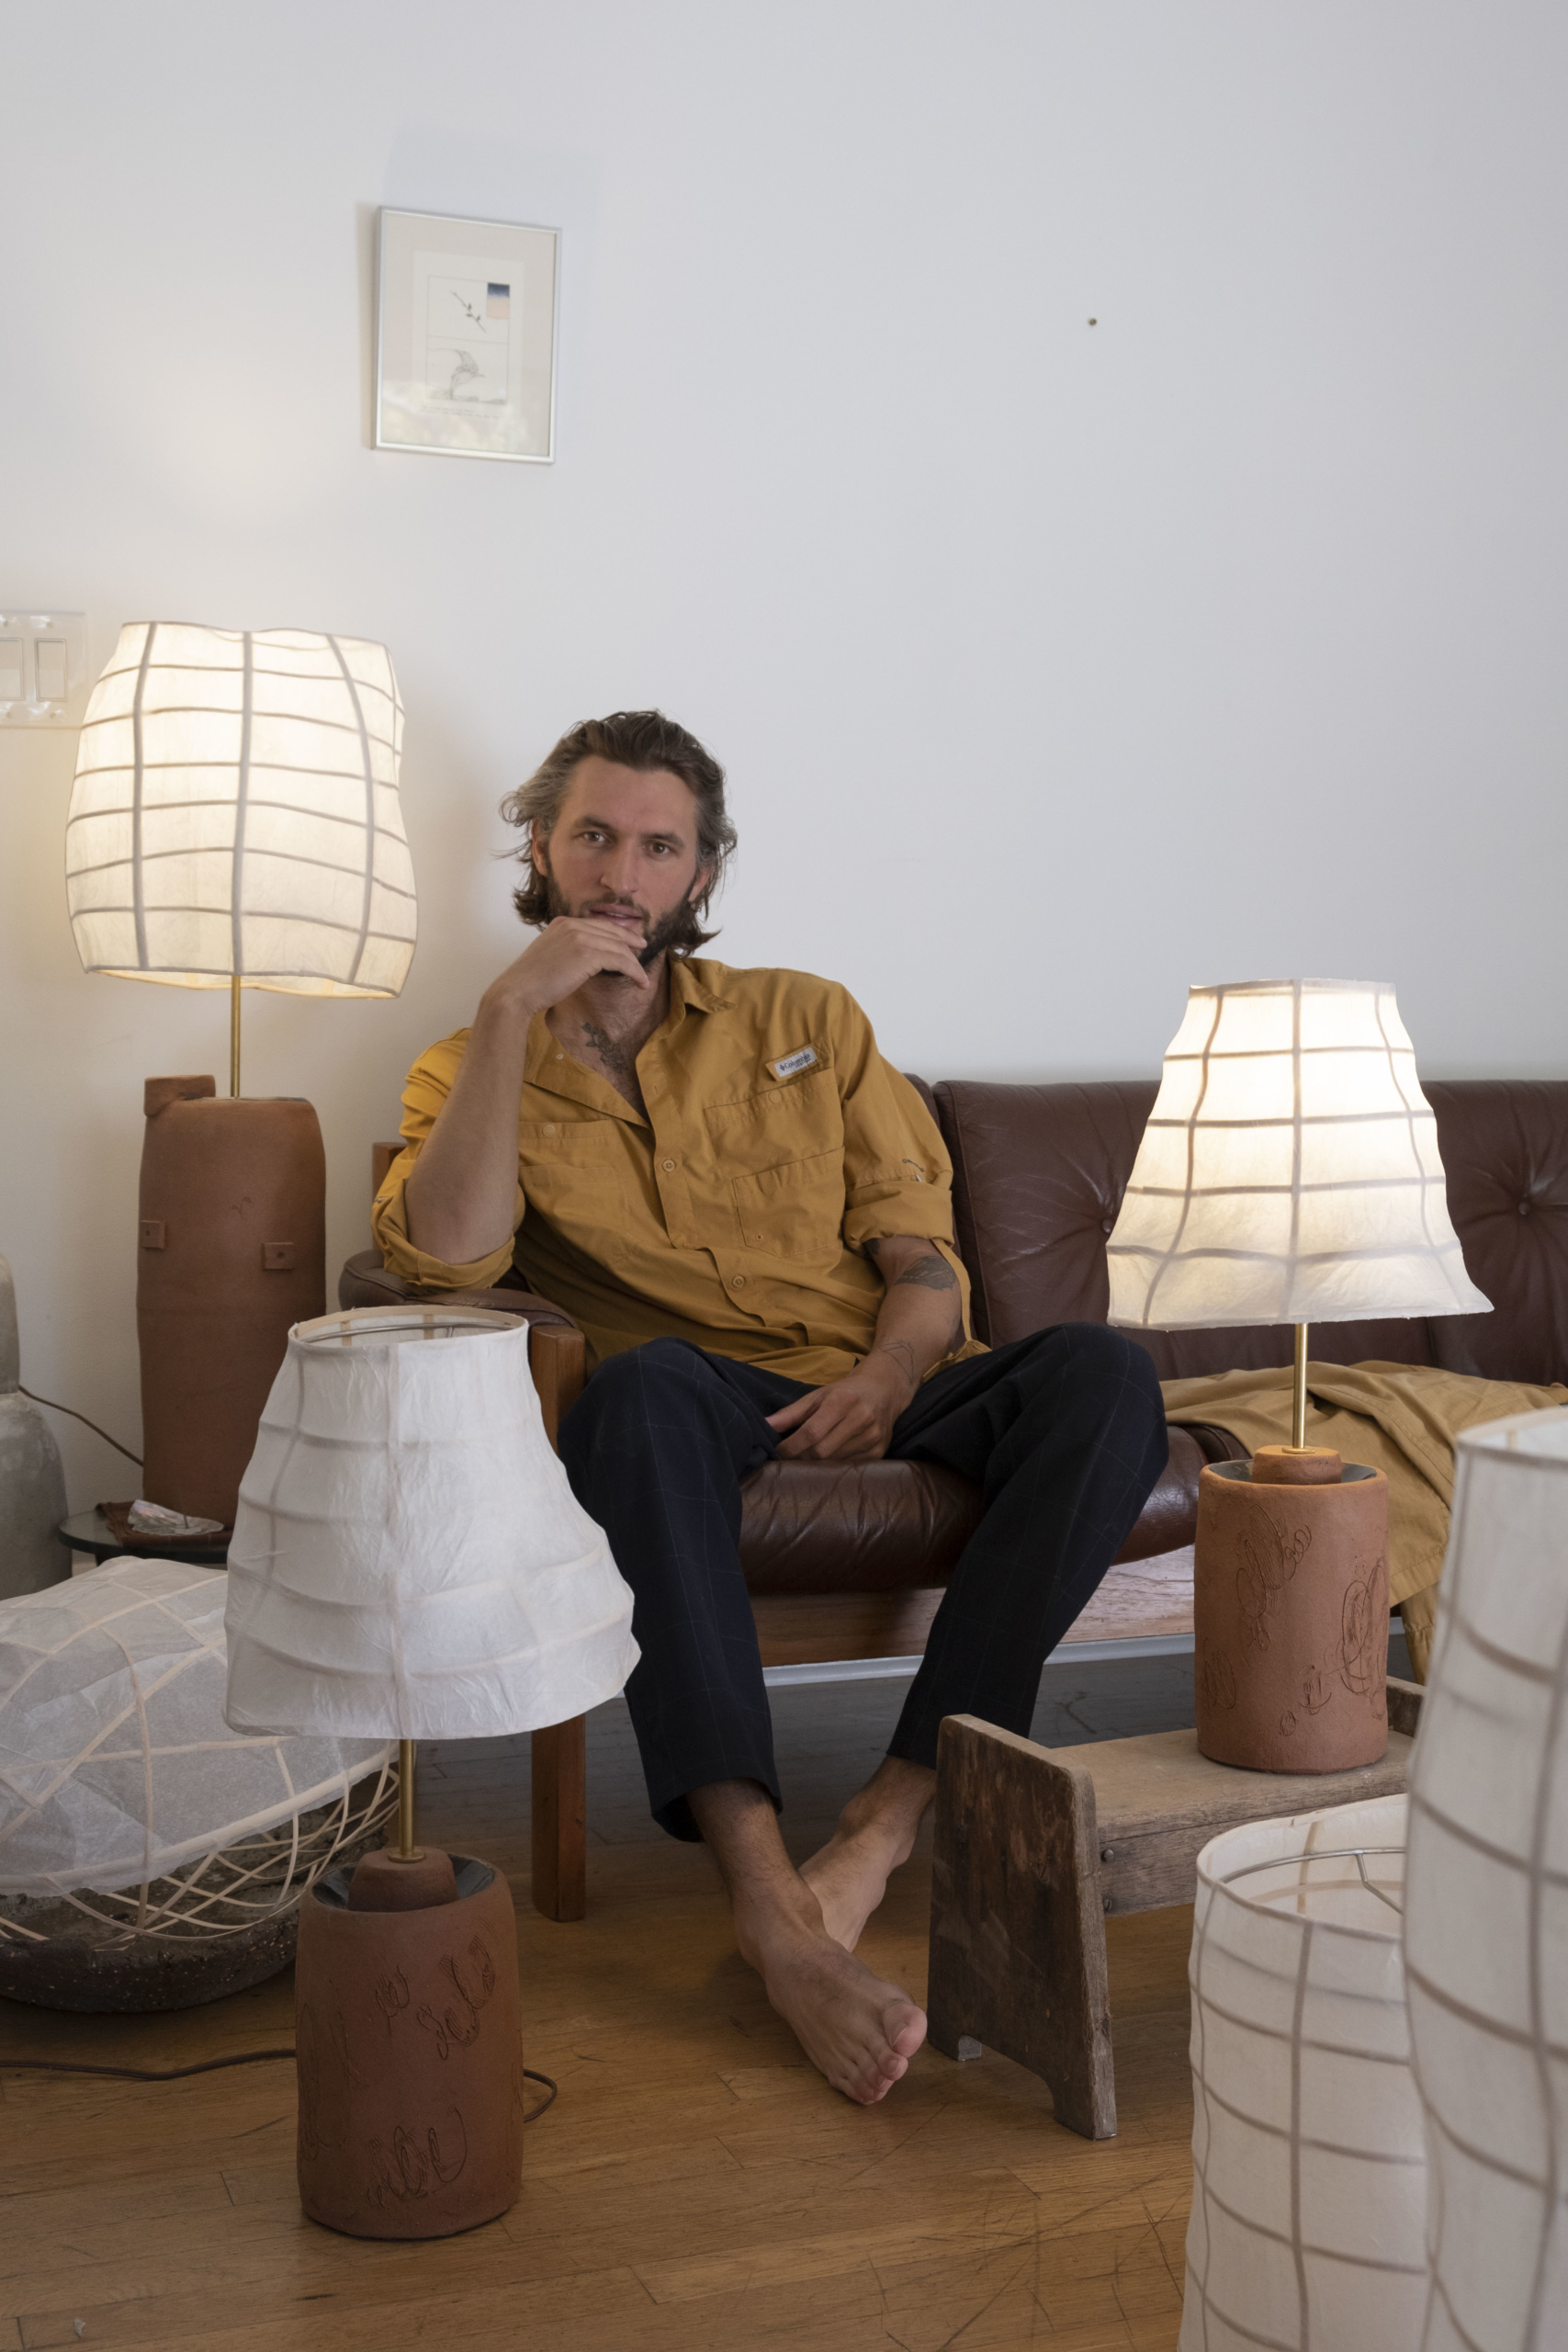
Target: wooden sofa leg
(560, 1859)
(1018, 1932)
(557, 1359)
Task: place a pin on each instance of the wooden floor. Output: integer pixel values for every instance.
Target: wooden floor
(695, 2184)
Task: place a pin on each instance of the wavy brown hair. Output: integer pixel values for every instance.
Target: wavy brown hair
(646, 740)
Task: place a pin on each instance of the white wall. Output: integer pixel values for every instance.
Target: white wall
(1054, 666)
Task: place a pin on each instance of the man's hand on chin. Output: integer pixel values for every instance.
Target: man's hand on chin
(849, 1419)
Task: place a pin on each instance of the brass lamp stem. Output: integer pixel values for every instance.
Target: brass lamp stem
(235, 1035)
(1299, 1394)
(407, 1850)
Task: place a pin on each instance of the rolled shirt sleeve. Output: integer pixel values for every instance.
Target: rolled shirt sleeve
(429, 1083)
(897, 1176)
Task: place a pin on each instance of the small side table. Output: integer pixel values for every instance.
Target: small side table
(1034, 1846)
(89, 1530)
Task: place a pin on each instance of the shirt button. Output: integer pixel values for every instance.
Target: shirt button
(754, 1238)
(1105, 1223)
(736, 1282)
(1524, 1208)
(667, 1165)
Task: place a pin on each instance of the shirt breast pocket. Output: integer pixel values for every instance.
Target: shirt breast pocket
(794, 1211)
(572, 1173)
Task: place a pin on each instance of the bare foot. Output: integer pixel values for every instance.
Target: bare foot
(848, 1877)
(876, 1833)
(858, 2031)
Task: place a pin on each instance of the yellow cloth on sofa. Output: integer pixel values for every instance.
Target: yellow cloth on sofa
(1400, 1419)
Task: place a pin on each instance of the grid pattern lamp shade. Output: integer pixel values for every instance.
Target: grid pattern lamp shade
(408, 1556)
(1486, 1908)
(1289, 1172)
(1309, 2187)
(235, 814)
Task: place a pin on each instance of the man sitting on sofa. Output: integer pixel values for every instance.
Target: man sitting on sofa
(749, 1213)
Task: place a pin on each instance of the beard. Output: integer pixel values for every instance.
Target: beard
(674, 930)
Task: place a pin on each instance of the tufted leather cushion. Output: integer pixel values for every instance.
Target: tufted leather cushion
(859, 1527)
(1505, 1147)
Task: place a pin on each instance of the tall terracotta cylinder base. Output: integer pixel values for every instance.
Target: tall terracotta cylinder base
(1291, 1615)
(231, 1252)
(409, 2055)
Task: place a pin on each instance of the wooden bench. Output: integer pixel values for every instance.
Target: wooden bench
(1034, 1846)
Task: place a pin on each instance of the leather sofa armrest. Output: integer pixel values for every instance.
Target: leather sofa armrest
(365, 1282)
(556, 1350)
(1214, 1445)
(1169, 1518)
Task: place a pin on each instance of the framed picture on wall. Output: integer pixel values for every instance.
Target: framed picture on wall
(466, 337)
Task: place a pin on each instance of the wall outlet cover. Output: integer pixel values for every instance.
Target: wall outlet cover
(43, 667)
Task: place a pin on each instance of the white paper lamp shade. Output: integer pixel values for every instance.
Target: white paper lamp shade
(1486, 1914)
(1289, 1172)
(1308, 2216)
(115, 1765)
(235, 814)
(408, 1555)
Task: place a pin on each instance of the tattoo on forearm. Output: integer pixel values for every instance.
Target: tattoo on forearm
(905, 1355)
(928, 1274)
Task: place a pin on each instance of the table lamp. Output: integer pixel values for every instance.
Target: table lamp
(408, 1554)
(235, 823)
(1289, 1173)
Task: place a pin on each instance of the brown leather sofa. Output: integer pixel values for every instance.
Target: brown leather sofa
(1039, 1173)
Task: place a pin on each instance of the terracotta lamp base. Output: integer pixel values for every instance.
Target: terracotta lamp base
(1291, 1611)
(409, 2051)
(233, 1250)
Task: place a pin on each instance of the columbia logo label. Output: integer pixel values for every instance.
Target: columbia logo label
(792, 1062)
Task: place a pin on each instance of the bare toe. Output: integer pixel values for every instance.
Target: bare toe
(858, 2031)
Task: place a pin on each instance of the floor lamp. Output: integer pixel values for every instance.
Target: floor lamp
(408, 1554)
(235, 823)
(1289, 1173)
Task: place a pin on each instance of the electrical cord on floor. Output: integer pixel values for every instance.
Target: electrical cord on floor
(139, 2074)
(211, 2066)
(75, 1416)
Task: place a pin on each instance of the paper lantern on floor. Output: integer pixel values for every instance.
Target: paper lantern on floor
(1309, 2169)
(1486, 1914)
(135, 1826)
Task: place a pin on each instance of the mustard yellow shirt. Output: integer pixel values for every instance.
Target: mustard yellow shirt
(777, 1143)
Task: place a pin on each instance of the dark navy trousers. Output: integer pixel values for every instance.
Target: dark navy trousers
(1063, 1433)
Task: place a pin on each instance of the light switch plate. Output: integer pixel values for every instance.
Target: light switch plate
(43, 667)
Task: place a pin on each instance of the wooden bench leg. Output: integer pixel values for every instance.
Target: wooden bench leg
(1018, 1933)
(560, 1859)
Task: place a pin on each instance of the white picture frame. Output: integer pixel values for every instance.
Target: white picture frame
(466, 337)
